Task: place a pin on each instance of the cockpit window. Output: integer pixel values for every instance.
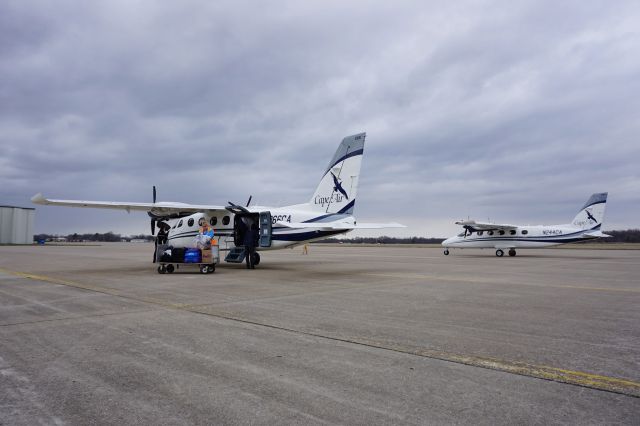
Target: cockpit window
(461, 234)
(180, 223)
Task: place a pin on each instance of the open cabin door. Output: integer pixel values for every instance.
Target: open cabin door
(265, 229)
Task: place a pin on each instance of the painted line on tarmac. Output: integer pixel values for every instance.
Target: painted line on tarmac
(576, 378)
(488, 281)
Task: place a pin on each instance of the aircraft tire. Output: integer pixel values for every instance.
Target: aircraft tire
(256, 259)
(499, 253)
(170, 269)
(512, 252)
(161, 269)
(446, 252)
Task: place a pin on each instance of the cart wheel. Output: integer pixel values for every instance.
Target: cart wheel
(161, 269)
(211, 269)
(255, 259)
(170, 269)
(203, 269)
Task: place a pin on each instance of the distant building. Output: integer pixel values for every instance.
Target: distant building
(16, 225)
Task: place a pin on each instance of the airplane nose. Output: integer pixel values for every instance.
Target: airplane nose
(446, 242)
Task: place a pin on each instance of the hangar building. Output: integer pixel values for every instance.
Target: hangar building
(16, 225)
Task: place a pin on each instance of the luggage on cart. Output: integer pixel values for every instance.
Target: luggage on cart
(177, 254)
(170, 258)
(193, 255)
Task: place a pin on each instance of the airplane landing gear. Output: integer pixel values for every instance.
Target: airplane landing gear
(512, 252)
(446, 252)
(499, 253)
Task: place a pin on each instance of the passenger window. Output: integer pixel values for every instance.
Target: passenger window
(180, 223)
(501, 232)
(490, 232)
(525, 232)
(225, 220)
(213, 221)
(480, 232)
(512, 232)
(190, 223)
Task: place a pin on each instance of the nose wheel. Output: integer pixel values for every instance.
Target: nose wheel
(446, 252)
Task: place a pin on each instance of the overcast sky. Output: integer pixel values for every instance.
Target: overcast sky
(513, 111)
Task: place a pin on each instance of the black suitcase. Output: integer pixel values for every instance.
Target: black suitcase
(177, 254)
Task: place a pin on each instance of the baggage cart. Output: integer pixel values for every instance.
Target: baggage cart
(169, 263)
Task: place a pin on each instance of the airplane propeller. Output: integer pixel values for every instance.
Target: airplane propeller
(234, 208)
(249, 200)
(153, 219)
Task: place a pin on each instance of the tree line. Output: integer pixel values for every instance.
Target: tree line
(621, 236)
(96, 237)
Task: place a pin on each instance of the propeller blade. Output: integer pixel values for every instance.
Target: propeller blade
(153, 226)
(249, 201)
(233, 207)
(154, 194)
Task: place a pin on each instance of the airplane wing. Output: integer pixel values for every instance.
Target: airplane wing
(340, 225)
(161, 208)
(480, 226)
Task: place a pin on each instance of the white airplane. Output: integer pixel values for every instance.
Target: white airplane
(329, 211)
(585, 226)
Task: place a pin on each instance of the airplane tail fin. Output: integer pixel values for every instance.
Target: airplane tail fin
(337, 190)
(591, 215)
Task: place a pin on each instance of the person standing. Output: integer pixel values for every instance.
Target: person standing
(250, 240)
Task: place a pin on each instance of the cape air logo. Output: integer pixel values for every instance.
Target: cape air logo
(590, 216)
(337, 186)
(337, 196)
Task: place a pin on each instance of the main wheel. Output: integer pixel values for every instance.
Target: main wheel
(512, 252)
(446, 252)
(161, 269)
(499, 253)
(170, 269)
(255, 259)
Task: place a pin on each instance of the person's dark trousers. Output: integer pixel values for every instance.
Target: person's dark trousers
(248, 250)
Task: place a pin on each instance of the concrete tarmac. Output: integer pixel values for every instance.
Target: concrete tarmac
(345, 335)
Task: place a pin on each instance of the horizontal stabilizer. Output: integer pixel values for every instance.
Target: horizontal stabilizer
(597, 234)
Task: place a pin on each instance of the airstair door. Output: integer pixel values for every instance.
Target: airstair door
(265, 229)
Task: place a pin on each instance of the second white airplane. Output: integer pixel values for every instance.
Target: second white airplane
(585, 226)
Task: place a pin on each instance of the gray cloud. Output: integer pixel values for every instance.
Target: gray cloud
(517, 112)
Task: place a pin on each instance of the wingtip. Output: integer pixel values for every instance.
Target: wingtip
(38, 199)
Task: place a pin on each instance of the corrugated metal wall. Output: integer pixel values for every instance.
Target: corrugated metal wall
(16, 225)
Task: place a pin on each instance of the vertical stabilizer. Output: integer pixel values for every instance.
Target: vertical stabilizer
(337, 190)
(591, 215)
